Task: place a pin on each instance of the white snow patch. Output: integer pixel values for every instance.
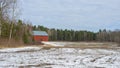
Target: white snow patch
(53, 43)
(20, 49)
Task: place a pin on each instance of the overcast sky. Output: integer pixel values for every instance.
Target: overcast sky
(73, 14)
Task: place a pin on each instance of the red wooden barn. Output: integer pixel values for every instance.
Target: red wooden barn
(39, 36)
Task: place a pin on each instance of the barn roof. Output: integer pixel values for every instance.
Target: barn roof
(41, 33)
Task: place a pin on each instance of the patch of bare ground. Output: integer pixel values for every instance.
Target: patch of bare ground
(38, 65)
(83, 45)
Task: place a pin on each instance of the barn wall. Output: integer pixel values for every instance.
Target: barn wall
(41, 38)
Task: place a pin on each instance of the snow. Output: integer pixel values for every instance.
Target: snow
(53, 43)
(19, 49)
(38, 57)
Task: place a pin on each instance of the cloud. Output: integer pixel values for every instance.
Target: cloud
(76, 14)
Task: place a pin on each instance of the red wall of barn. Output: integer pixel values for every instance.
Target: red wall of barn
(41, 38)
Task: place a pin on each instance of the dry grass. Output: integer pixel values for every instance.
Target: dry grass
(84, 46)
(12, 44)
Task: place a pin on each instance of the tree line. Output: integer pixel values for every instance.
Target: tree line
(73, 35)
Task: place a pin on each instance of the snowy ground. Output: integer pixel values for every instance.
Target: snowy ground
(38, 57)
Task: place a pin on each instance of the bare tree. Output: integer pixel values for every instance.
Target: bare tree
(13, 11)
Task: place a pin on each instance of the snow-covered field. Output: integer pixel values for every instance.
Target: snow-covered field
(38, 57)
